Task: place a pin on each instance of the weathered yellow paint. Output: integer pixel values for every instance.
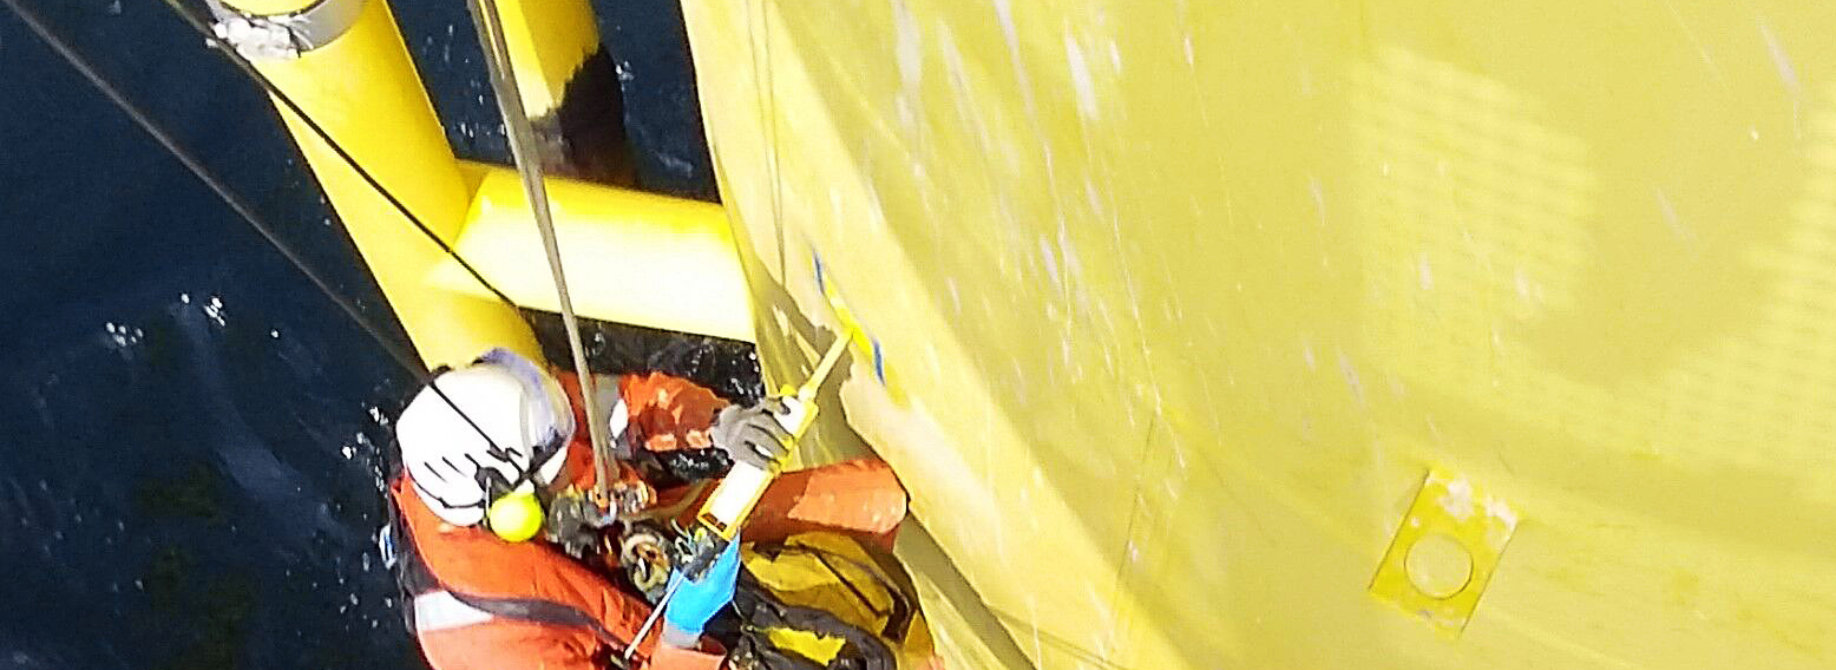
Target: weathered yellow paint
(548, 41)
(385, 121)
(1186, 298)
(630, 257)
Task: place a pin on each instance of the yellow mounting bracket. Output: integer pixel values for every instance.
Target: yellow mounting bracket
(1445, 551)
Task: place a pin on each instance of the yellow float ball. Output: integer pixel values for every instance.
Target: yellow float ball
(516, 517)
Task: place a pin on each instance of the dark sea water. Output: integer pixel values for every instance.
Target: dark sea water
(190, 469)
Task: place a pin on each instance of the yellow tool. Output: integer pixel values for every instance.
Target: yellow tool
(739, 491)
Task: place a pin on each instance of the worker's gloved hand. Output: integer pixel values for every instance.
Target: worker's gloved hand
(697, 601)
(755, 434)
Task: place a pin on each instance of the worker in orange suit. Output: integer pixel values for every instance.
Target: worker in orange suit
(491, 598)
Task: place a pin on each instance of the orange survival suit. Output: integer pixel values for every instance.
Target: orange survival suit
(476, 602)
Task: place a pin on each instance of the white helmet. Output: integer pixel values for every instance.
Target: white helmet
(481, 432)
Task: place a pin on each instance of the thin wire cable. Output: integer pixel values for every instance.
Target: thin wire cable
(268, 86)
(409, 361)
(529, 165)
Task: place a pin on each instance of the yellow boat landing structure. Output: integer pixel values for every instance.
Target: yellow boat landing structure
(1411, 334)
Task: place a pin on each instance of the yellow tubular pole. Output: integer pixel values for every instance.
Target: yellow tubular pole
(631, 257)
(549, 40)
(364, 90)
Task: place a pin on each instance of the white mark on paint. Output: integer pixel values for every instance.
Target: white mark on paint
(1458, 501)
(1188, 50)
(903, 109)
(1004, 13)
(1780, 60)
(1080, 78)
(1497, 509)
(1424, 273)
(1051, 260)
(1671, 219)
(908, 49)
(1319, 198)
(1351, 376)
(1073, 267)
(1091, 196)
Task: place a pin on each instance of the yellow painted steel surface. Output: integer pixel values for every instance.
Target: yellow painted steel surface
(1177, 304)
(548, 40)
(630, 257)
(383, 118)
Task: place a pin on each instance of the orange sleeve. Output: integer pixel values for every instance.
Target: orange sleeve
(669, 413)
(861, 498)
(475, 562)
(580, 471)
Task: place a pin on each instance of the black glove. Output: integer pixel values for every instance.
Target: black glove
(753, 434)
(570, 524)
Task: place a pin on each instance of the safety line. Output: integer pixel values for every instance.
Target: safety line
(529, 166)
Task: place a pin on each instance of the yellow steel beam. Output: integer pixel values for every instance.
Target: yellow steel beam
(631, 257)
(549, 41)
(384, 120)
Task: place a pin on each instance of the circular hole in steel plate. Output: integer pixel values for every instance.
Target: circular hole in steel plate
(1439, 566)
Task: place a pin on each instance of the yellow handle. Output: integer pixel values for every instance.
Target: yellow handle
(807, 392)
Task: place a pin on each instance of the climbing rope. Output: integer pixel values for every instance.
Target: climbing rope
(522, 147)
